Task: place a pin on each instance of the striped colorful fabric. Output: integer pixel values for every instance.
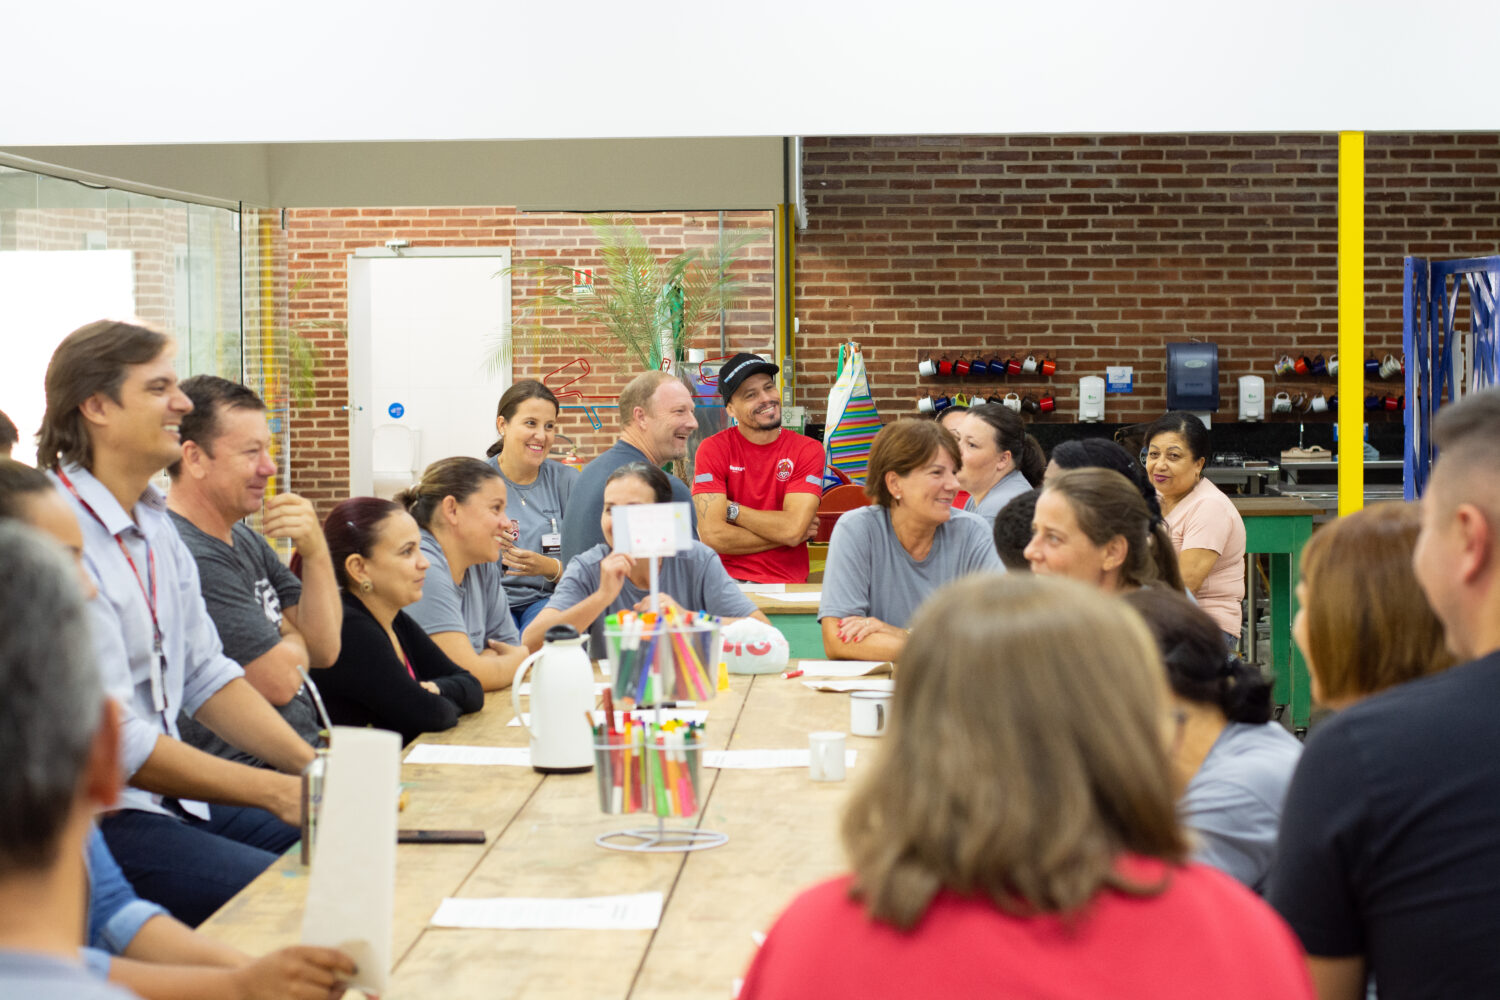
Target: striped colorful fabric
(848, 443)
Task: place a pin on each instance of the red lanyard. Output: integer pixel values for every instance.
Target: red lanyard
(158, 687)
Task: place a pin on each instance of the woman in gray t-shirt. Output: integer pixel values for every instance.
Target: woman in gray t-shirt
(599, 580)
(538, 488)
(885, 559)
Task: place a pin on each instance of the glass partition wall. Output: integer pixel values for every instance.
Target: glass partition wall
(71, 253)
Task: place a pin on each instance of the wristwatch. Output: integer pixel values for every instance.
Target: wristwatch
(733, 513)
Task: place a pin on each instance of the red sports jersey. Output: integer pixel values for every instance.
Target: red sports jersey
(759, 476)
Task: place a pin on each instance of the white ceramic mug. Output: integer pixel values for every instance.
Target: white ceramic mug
(925, 404)
(1012, 402)
(1320, 403)
(977, 401)
(1282, 403)
(869, 711)
(927, 366)
(1286, 365)
(1390, 367)
(825, 756)
(1029, 365)
(1333, 364)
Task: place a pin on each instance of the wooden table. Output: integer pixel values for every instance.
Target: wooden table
(540, 829)
(1278, 528)
(798, 622)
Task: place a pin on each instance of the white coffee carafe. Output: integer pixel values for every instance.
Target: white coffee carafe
(562, 695)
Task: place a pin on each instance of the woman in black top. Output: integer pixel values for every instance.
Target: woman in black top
(389, 674)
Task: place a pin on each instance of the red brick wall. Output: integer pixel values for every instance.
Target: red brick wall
(319, 241)
(1100, 250)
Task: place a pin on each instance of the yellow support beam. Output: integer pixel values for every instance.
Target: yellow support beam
(1351, 445)
(785, 348)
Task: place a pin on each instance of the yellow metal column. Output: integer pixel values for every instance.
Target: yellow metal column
(1351, 417)
(785, 250)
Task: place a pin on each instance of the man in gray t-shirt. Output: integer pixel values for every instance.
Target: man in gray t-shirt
(477, 607)
(695, 579)
(869, 573)
(269, 622)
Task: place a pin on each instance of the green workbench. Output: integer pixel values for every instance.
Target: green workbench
(1278, 528)
(797, 621)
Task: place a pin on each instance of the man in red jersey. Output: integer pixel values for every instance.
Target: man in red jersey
(757, 485)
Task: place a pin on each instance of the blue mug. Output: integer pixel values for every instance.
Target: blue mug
(1319, 365)
(1372, 368)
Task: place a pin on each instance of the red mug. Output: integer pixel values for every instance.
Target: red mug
(945, 367)
(1390, 402)
(961, 367)
(1013, 365)
(1301, 366)
(1049, 366)
(1046, 404)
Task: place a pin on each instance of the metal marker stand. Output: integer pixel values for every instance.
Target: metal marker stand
(661, 840)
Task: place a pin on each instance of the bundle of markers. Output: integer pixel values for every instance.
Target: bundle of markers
(682, 648)
(645, 767)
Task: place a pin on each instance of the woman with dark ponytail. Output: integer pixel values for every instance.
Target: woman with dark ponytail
(1230, 762)
(1092, 525)
(1000, 460)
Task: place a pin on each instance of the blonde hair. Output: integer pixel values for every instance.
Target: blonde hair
(1024, 754)
(1368, 625)
(639, 392)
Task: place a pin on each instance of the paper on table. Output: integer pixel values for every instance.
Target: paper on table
(763, 588)
(806, 597)
(765, 758)
(647, 714)
(437, 753)
(352, 889)
(640, 912)
(525, 688)
(844, 668)
(858, 684)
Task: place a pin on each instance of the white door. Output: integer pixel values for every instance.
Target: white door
(420, 327)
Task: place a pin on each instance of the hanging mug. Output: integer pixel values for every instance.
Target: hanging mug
(1302, 365)
(1013, 365)
(961, 366)
(927, 366)
(1300, 401)
(1028, 404)
(1285, 366)
(1372, 368)
(1029, 365)
(1282, 403)
(959, 399)
(979, 368)
(1333, 364)
(1390, 403)
(1012, 402)
(1390, 367)
(1320, 403)
(1049, 367)
(1047, 404)
(977, 401)
(924, 405)
(1319, 366)
(945, 367)
(941, 403)
(1372, 401)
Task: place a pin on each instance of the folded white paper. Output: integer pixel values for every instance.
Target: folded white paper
(804, 597)
(352, 889)
(640, 714)
(640, 912)
(763, 588)
(437, 753)
(765, 758)
(843, 668)
(858, 684)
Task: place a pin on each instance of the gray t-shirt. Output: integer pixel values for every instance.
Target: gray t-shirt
(581, 530)
(46, 977)
(537, 508)
(869, 573)
(695, 579)
(1002, 493)
(245, 588)
(478, 608)
(1234, 801)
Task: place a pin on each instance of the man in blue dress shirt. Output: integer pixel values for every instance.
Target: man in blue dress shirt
(111, 423)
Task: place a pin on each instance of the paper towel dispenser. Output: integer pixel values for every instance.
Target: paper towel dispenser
(1193, 376)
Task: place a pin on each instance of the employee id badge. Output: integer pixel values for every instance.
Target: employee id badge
(158, 678)
(551, 543)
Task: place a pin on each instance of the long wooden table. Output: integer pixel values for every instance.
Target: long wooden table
(540, 833)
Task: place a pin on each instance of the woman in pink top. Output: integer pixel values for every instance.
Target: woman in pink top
(1206, 530)
(1017, 835)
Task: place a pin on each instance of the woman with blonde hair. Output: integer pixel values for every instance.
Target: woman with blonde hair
(1016, 835)
(885, 559)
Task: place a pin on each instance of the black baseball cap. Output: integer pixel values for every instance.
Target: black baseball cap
(739, 368)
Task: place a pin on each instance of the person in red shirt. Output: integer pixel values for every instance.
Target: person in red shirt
(757, 485)
(1017, 836)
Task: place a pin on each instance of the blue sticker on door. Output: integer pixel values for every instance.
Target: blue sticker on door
(396, 411)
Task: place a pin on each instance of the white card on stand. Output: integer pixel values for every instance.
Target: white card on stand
(653, 529)
(351, 892)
